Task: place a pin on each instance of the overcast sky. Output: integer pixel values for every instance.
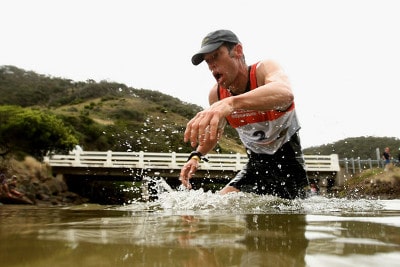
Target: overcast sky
(342, 56)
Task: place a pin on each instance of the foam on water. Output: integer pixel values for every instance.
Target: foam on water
(207, 202)
(199, 200)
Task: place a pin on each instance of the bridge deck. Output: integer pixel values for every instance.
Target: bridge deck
(174, 161)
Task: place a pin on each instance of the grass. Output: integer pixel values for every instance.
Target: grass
(374, 183)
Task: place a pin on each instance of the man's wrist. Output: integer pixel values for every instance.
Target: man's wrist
(197, 155)
(196, 158)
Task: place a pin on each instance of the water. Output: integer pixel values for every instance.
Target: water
(193, 228)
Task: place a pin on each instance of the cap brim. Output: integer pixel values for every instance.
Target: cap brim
(199, 56)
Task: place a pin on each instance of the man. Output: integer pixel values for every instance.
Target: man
(386, 156)
(257, 101)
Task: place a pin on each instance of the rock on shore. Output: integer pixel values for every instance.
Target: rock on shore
(37, 184)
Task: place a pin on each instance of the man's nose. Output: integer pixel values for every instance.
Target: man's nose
(212, 67)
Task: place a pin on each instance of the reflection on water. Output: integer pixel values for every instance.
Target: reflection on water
(203, 229)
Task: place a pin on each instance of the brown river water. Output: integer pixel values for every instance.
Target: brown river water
(203, 229)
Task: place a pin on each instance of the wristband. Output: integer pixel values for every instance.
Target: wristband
(198, 155)
(196, 158)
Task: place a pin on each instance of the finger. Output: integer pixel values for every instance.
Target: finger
(203, 129)
(205, 137)
(213, 128)
(188, 130)
(220, 132)
(186, 173)
(193, 136)
(184, 178)
(199, 126)
(185, 183)
(192, 129)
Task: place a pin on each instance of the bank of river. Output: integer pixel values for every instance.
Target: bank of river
(36, 184)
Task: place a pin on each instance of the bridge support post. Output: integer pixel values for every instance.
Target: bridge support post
(141, 159)
(77, 158)
(108, 162)
(238, 166)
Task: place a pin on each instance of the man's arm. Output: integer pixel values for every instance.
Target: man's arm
(191, 166)
(273, 92)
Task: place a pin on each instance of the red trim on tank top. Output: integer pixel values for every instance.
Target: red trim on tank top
(243, 117)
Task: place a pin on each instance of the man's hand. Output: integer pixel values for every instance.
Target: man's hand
(206, 127)
(188, 171)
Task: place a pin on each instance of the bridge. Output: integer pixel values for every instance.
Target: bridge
(114, 165)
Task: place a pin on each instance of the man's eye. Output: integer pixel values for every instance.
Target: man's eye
(212, 58)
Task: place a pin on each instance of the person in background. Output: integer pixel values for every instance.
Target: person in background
(4, 186)
(8, 187)
(398, 158)
(257, 100)
(9, 193)
(12, 186)
(386, 156)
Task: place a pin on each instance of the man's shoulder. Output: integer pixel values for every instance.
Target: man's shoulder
(268, 63)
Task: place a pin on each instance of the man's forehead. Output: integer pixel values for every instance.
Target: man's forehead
(216, 51)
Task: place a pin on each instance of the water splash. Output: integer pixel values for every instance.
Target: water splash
(198, 201)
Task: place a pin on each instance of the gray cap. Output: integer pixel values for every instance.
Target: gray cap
(213, 41)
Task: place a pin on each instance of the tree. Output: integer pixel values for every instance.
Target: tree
(33, 131)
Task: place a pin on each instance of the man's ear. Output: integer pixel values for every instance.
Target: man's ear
(238, 50)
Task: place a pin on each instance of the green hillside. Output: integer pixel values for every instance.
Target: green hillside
(107, 115)
(353, 147)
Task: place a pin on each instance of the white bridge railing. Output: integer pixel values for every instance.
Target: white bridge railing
(153, 160)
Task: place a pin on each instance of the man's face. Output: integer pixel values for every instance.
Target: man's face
(221, 64)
